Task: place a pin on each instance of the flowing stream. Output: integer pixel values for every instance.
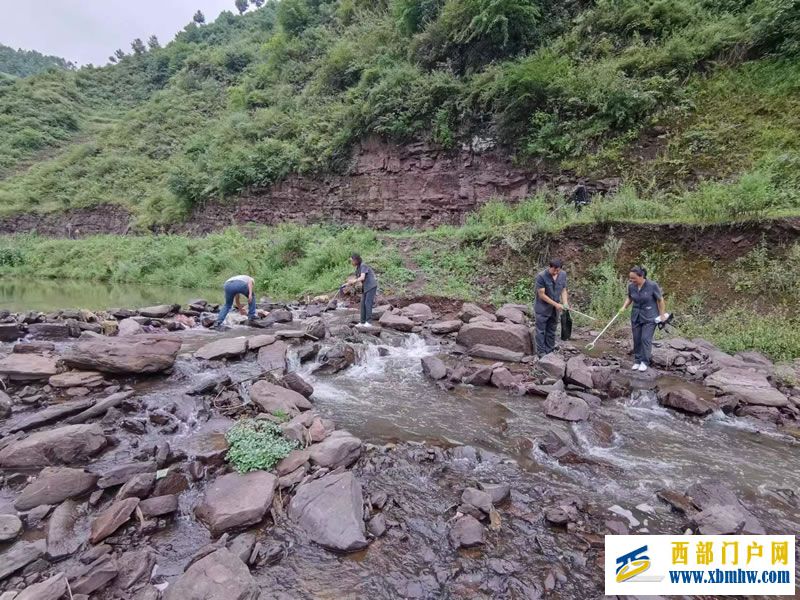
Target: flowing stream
(384, 398)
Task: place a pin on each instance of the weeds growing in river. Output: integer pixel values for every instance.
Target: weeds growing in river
(256, 445)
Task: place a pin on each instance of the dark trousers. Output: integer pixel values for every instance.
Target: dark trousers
(232, 288)
(546, 333)
(367, 300)
(643, 341)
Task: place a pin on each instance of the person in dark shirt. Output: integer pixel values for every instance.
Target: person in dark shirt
(551, 298)
(369, 283)
(648, 309)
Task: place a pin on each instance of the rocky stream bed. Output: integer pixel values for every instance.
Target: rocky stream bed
(436, 457)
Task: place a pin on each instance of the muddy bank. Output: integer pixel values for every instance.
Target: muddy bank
(435, 457)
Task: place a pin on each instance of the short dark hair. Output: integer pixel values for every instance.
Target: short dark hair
(356, 257)
(555, 263)
(640, 271)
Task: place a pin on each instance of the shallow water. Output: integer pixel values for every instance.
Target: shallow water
(386, 398)
(18, 294)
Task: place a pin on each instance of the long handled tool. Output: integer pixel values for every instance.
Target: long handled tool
(577, 312)
(590, 346)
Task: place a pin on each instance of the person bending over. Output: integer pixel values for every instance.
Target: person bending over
(235, 287)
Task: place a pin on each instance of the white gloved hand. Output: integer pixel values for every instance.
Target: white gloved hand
(658, 318)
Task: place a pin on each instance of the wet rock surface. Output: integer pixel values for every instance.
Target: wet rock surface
(453, 472)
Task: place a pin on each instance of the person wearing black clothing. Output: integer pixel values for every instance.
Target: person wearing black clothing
(551, 298)
(369, 283)
(648, 309)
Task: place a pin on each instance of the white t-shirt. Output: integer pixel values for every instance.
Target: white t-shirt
(245, 278)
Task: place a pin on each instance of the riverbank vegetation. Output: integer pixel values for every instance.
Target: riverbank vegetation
(482, 261)
(693, 103)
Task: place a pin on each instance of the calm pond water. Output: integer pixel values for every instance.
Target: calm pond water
(17, 294)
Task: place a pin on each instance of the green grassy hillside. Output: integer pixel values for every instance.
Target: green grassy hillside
(693, 103)
(22, 63)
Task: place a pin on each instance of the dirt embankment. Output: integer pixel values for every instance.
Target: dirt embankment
(385, 187)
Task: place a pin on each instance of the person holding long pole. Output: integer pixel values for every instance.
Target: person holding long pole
(649, 308)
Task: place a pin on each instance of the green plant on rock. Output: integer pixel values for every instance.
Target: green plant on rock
(256, 445)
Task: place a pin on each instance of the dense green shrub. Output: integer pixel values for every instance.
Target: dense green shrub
(256, 445)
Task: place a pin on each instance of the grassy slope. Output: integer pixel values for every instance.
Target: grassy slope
(481, 261)
(666, 94)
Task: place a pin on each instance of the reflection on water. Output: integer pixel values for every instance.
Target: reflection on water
(18, 294)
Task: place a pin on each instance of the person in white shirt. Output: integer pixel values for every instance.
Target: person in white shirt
(236, 286)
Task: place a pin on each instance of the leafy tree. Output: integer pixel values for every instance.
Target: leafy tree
(112, 59)
(293, 15)
(241, 5)
(199, 17)
(119, 54)
(153, 43)
(414, 15)
(258, 3)
(22, 63)
(472, 33)
(138, 46)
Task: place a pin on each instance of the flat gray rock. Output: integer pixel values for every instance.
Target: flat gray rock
(236, 500)
(54, 485)
(219, 576)
(66, 445)
(224, 348)
(330, 510)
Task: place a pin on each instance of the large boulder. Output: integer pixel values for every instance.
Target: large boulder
(750, 387)
(579, 373)
(470, 312)
(63, 539)
(66, 445)
(466, 532)
(234, 501)
(160, 311)
(51, 414)
(273, 357)
(336, 359)
(53, 588)
(685, 400)
(417, 312)
(397, 322)
(721, 512)
(294, 381)
(434, 367)
(315, 327)
(495, 353)
(128, 327)
(330, 510)
(553, 365)
(340, 449)
(443, 327)
(219, 576)
(28, 367)
(10, 527)
(560, 405)
(511, 313)
(274, 398)
(510, 336)
(10, 332)
(112, 518)
(51, 331)
(77, 379)
(224, 348)
(20, 555)
(54, 485)
(139, 354)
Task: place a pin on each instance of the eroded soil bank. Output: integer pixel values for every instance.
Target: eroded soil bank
(436, 458)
